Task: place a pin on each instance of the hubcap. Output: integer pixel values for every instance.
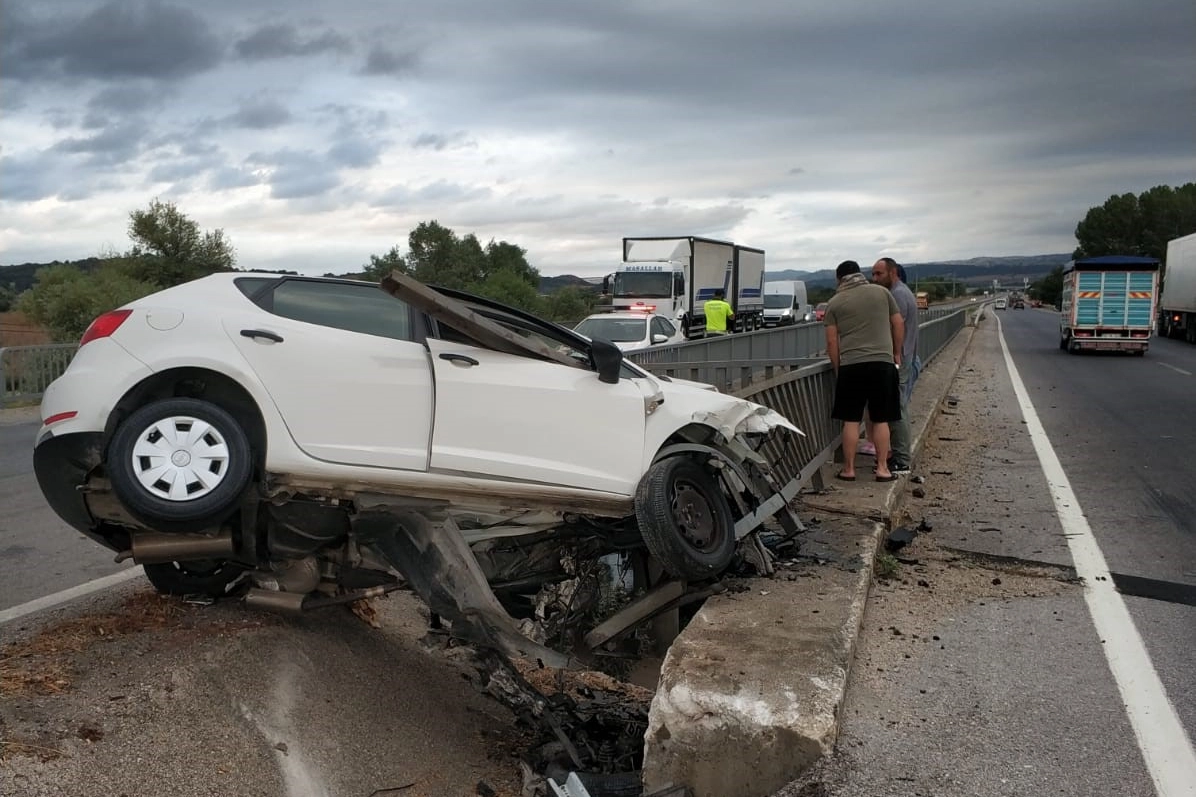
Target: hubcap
(693, 516)
(180, 458)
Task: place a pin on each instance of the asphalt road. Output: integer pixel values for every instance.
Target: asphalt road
(981, 675)
(39, 554)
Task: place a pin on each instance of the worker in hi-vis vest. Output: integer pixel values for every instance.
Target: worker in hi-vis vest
(718, 313)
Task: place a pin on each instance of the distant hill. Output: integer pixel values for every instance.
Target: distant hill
(973, 271)
(554, 284)
(21, 276)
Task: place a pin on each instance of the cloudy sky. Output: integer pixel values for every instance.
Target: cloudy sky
(316, 133)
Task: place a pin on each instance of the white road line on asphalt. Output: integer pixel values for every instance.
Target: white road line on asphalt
(1173, 368)
(67, 595)
(1166, 748)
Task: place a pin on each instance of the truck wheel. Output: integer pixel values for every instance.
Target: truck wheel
(685, 519)
(1063, 343)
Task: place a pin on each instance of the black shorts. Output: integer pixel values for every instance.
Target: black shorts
(872, 385)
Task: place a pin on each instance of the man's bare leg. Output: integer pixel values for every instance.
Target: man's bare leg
(880, 439)
(851, 439)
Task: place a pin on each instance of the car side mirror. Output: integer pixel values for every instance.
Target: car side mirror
(608, 360)
(659, 338)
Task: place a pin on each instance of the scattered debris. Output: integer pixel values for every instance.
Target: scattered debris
(918, 479)
(900, 537)
(925, 525)
(919, 492)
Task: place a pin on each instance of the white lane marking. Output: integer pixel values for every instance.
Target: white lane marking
(1173, 368)
(1166, 748)
(67, 595)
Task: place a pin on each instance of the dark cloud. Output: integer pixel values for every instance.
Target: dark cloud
(260, 114)
(383, 61)
(125, 98)
(294, 174)
(285, 41)
(118, 40)
(228, 177)
(440, 141)
(114, 144)
(354, 151)
(28, 179)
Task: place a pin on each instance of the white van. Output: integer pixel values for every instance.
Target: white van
(785, 303)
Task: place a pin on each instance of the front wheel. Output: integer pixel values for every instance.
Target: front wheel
(180, 461)
(208, 577)
(685, 519)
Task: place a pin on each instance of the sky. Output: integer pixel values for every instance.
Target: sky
(315, 134)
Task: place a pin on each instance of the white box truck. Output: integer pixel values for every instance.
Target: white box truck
(785, 303)
(1177, 304)
(676, 276)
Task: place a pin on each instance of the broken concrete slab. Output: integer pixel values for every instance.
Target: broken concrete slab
(749, 692)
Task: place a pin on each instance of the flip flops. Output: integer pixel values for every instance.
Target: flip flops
(892, 477)
(843, 478)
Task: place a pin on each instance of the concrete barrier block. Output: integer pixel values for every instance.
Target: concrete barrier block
(750, 691)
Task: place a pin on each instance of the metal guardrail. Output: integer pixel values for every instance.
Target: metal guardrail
(26, 371)
(803, 391)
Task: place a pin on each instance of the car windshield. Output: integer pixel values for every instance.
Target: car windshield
(616, 330)
(776, 301)
(643, 284)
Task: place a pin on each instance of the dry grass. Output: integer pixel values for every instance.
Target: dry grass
(43, 664)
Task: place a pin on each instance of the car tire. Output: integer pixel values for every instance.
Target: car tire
(214, 467)
(685, 519)
(207, 577)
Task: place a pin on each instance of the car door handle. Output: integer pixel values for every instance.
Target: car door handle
(261, 333)
(458, 359)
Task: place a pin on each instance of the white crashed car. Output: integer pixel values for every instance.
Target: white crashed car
(304, 438)
(630, 329)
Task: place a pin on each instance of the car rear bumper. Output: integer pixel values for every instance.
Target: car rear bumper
(62, 464)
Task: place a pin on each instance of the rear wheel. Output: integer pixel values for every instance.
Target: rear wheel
(685, 519)
(180, 461)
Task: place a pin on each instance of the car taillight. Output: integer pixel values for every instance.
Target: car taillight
(104, 326)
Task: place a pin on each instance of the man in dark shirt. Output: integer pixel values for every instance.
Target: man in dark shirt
(864, 333)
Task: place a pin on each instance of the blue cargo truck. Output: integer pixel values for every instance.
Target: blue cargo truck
(1109, 304)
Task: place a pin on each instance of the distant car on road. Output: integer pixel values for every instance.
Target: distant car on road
(630, 330)
(820, 311)
(1019, 304)
(1001, 304)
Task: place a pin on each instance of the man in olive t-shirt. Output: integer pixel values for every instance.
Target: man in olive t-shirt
(864, 335)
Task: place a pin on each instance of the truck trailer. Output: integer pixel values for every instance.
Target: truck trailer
(675, 277)
(1108, 304)
(1177, 304)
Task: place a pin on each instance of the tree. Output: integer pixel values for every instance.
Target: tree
(380, 267)
(169, 249)
(437, 256)
(8, 296)
(1049, 289)
(64, 299)
(1138, 225)
(569, 305)
(511, 289)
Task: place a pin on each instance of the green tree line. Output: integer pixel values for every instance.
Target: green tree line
(168, 248)
(1127, 224)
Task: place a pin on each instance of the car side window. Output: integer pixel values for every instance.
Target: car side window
(354, 308)
(661, 326)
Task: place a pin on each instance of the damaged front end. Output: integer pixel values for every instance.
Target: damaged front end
(705, 490)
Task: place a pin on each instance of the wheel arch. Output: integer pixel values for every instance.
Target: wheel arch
(198, 383)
